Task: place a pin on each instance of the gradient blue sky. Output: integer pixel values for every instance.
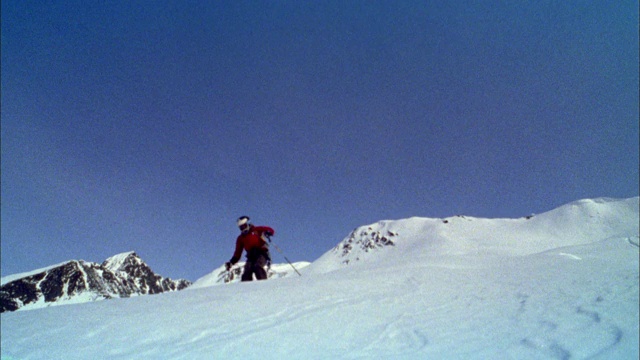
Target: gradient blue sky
(152, 125)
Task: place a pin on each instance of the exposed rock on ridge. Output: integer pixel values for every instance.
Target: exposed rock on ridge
(79, 281)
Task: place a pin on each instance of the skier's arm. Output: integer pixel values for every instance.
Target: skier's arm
(265, 230)
(238, 253)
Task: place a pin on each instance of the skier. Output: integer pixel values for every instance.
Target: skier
(252, 240)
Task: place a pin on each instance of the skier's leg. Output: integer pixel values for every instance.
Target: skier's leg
(261, 273)
(247, 272)
(258, 268)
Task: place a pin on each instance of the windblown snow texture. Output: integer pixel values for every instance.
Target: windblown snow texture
(558, 285)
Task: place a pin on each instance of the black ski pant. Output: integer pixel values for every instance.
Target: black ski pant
(256, 262)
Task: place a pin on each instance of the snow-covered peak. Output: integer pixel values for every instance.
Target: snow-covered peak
(422, 289)
(78, 281)
(578, 223)
(120, 261)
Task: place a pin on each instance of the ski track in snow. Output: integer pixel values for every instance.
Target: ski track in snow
(346, 318)
(454, 301)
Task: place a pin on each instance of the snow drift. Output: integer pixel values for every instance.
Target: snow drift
(559, 285)
(221, 276)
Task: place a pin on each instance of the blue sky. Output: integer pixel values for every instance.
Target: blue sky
(151, 126)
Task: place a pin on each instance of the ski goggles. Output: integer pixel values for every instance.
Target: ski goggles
(243, 223)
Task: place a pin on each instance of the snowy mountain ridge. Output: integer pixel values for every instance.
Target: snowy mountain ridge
(579, 222)
(79, 281)
(558, 285)
(120, 262)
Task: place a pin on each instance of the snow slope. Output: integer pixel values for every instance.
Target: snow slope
(560, 285)
(221, 276)
(458, 237)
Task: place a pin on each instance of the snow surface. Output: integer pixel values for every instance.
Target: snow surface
(220, 275)
(117, 262)
(560, 285)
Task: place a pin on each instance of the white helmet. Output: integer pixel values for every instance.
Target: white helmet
(244, 222)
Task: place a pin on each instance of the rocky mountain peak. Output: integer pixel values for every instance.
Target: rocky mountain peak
(120, 261)
(75, 281)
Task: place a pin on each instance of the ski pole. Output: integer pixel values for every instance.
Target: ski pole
(281, 253)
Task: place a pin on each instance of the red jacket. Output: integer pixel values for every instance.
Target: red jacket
(249, 240)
